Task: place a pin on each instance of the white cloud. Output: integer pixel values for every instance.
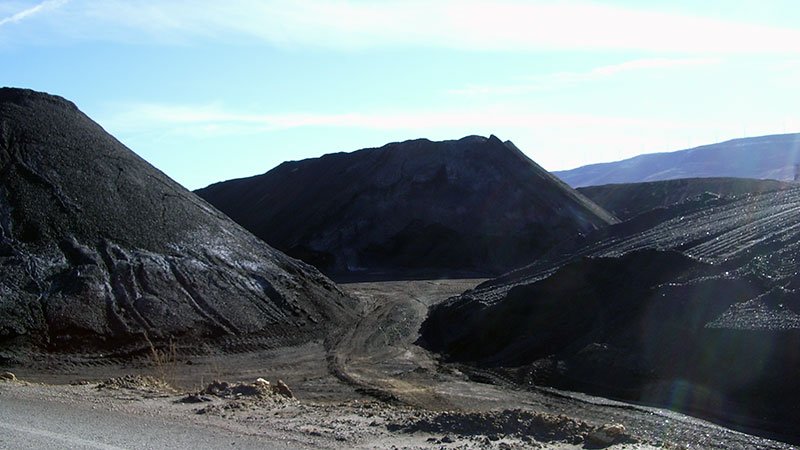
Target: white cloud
(503, 25)
(31, 11)
(549, 138)
(211, 119)
(562, 79)
(652, 63)
(556, 141)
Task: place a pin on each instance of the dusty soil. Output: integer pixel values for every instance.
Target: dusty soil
(369, 388)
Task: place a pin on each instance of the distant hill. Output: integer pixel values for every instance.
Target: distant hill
(101, 252)
(765, 157)
(474, 205)
(630, 199)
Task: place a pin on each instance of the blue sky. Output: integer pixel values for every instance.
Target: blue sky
(211, 90)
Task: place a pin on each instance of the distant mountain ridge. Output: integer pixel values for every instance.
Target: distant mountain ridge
(764, 157)
(475, 204)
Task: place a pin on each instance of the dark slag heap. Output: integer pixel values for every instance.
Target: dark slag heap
(628, 200)
(471, 206)
(101, 251)
(694, 307)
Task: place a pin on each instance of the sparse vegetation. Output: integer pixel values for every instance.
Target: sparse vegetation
(164, 361)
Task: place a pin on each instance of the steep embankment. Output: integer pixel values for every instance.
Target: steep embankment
(764, 157)
(475, 205)
(696, 307)
(101, 251)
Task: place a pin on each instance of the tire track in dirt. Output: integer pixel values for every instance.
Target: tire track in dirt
(378, 355)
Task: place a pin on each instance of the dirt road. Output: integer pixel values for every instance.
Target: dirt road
(369, 387)
(380, 355)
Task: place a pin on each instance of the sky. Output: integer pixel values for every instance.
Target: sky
(212, 90)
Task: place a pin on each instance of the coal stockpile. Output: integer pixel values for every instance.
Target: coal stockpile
(631, 199)
(100, 251)
(473, 206)
(694, 307)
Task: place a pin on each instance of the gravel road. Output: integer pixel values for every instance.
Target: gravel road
(28, 421)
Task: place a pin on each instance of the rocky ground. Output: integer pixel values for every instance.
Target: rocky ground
(369, 388)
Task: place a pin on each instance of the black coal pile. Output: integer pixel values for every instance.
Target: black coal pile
(475, 205)
(694, 307)
(99, 251)
(630, 199)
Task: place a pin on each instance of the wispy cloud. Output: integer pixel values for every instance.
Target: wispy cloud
(565, 79)
(503, 25)
(206, 120)
(31, 11)
(556, 141)
(651, 63)
(550, 138)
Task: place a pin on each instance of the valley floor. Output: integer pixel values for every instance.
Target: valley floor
(368, 388)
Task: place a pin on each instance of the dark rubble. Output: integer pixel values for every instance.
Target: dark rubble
(693, 307)
(631, 199)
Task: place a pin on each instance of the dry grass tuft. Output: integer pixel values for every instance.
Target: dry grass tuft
(164, 361)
